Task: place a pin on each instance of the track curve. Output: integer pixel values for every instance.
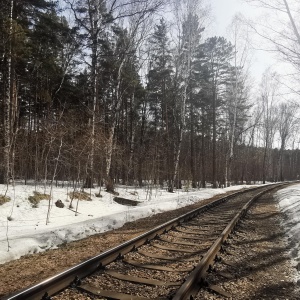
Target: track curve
(155, 265)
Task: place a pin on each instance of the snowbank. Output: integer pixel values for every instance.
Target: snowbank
(289, 203)
(23, 228)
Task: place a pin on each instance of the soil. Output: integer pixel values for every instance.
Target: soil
(260, 267)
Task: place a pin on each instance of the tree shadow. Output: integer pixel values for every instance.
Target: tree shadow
(253, 264)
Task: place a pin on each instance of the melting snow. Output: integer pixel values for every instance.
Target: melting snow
(289, 203)
(26, 230)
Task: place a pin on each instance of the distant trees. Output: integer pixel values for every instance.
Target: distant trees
(117, 94)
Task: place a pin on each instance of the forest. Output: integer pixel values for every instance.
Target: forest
(136, 91)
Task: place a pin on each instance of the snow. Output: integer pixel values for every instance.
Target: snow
(23, 229)
(289, 203)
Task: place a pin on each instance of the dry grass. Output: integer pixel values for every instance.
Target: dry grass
(80, 196)
(4, 199)
(37, 197)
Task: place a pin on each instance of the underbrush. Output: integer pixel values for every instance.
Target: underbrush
(37, 197)
(80, 196)
(4, 199)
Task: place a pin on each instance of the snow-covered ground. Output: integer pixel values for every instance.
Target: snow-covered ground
(289, 203)
(23, 228)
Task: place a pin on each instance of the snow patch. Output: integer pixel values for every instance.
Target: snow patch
(289, 203)
(27, 232)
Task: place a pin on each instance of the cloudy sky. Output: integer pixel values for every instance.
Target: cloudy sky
(223, 12)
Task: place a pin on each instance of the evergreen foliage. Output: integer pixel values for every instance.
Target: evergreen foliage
(72, 93)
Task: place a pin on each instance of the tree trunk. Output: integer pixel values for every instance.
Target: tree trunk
(111, 133)
(264, 165)
(281, 178)
(194, 182)
(214, 145)
(7, 103)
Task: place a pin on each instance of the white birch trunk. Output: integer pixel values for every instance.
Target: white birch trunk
(228, 171)
(130, 163)
(183, 109)
(95, 22)
(50, 203)
(110, 141)
(7, 103)
(109, 151)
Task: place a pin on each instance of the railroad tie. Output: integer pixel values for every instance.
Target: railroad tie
(145, 281)
(165, 257)
(109, 294)
(218, 290)
(155, 267)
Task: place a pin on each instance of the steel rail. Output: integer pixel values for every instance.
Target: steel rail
(196, 278)
(73, 275)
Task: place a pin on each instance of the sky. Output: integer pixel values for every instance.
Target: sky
(223, 12)
(26, 231)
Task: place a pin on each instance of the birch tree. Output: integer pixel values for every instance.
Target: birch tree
(93, 19)
(8, 97)
(137, 14)
(238, 91)
(268, 98)
(287, 122)
(100, 19)
(191, 15)
(6, 81)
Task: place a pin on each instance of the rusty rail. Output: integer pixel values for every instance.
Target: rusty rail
(196, 279)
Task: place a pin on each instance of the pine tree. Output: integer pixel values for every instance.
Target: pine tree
(16, 19)
(189, 41)
(160, 100)
(214, 57)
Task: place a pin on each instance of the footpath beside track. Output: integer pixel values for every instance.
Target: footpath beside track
(157, 264)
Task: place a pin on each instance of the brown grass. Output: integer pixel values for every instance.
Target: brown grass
(80, 196)
(4, 199)
(37, 197)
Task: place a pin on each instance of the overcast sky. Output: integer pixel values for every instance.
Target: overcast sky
(223, 12)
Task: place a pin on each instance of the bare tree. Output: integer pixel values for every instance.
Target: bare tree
(268, 98)
(238, 90)
(191, 15)
(287, 122)
(137, 14)
(96, 18)
(280, 29)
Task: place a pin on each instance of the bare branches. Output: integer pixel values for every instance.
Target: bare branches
(280, 29)
(295, 29)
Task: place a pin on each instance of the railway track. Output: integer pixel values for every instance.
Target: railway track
(169, 262)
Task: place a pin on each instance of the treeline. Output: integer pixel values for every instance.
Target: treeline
(109, 91)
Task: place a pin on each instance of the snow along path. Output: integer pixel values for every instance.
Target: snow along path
(289, 203)
(26, 231)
